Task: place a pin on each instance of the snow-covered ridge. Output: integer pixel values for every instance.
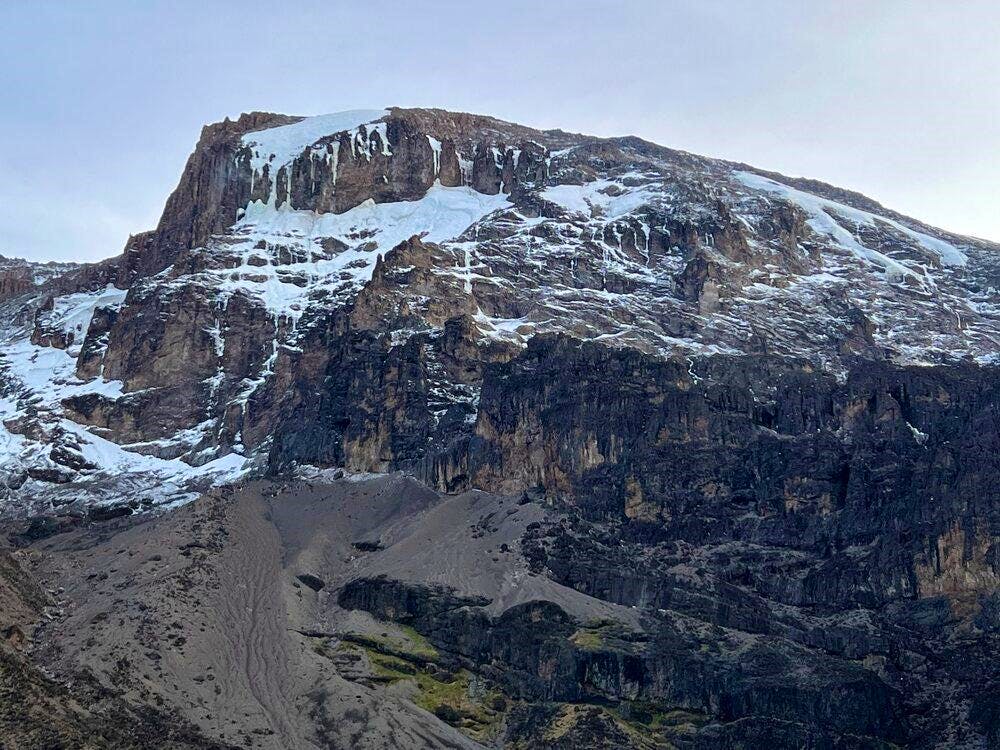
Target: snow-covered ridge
(823, 218)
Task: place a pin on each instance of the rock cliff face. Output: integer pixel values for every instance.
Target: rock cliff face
(761, 411)
(19, 276)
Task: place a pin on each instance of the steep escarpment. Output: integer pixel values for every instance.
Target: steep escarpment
(537, 653)
(604, 427)
(715, 449)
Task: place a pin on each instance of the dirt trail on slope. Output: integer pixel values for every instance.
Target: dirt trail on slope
(257, 656)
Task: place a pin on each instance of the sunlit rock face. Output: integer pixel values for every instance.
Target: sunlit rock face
(763, 410)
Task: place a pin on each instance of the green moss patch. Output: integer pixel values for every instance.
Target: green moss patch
(410, 645)
(659, 723)
(457, 698)
(604, 635)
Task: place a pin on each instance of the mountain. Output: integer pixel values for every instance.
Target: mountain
(417, 428)
(19, 276)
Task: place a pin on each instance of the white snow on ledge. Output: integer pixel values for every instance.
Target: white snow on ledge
(368, 230)
(584, 199)
(279, 146)
(443, 213)
(821, 220)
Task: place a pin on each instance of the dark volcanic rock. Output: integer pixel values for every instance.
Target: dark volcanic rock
(313, 582)
(205, 201)
(538, 653)
(91, 360)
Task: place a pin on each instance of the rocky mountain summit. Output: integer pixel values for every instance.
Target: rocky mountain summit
(718, 447)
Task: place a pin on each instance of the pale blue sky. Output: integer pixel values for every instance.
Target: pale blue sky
(103, 101)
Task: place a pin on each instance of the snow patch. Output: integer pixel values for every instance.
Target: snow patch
(823, 221)
(441, 214)
(608, 197)
(72, 313)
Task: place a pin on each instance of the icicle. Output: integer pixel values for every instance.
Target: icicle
(436, 151)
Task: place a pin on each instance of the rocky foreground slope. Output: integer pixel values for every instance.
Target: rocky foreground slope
(699, 455)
